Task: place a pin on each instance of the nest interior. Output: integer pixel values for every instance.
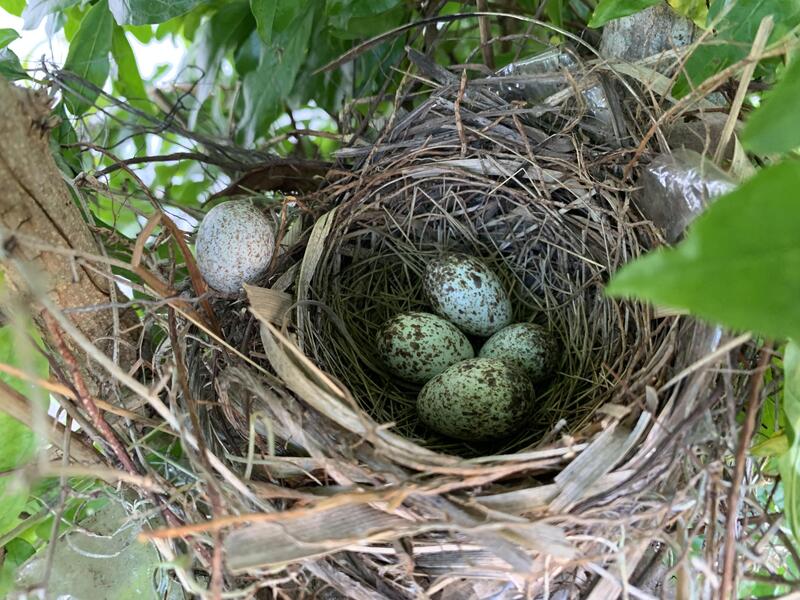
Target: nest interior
(541, 203)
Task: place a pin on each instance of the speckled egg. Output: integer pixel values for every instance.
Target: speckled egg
(234, 245)
(477, 400)
(417, 346)
(465, 291)
(527, 345)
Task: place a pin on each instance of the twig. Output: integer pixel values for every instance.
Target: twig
(759, 44)
(457, 104)
(729, 550)
(705, 88)
(85, 398)
(198, 156)
(483, 27)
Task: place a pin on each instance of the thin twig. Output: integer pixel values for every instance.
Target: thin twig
(85, 398)
(757, 49)
(459, 122)
(485, 31)
(729, 550)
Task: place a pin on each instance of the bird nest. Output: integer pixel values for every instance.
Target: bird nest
(544, 202)
(303, 466)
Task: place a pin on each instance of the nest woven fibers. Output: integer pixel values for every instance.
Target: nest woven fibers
(544, 208)
(543, 201)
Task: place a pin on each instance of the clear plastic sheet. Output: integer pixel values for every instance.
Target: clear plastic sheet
(675, 188)
(537, 78)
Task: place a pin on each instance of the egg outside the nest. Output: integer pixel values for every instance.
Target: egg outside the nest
(234, 245)
(528, 345)
(417, 346)
(465, 291)
(476, 400)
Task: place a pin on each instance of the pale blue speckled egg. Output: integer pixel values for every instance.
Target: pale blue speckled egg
(466, 292)
(527, 345)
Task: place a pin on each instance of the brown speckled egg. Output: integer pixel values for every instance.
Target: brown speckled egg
(416, 346)
(234, 245)
(466, 292)
(477, 400)
(527, 345)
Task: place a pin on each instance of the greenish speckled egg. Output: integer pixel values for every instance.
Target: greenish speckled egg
(465, 291)
(417, 346)
(477, 400)
(527, 345)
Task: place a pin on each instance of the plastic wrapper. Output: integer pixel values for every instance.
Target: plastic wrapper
(537, 78)
(675, 188)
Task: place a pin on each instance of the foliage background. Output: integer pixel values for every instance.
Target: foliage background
(250, 73)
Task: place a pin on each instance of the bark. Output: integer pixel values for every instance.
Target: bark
(35, 202)
(646, 33)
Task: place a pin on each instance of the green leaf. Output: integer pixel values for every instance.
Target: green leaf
(789, 463)
(10, 67)
(7, 36)
(129, 81)
(143, 12)
(143, 33)
(13, 7)
(264, 13)
(227, 28)
(62, 143)
(17, 442)
(776, 445)
(696, 10)
(555, 12)
(36, 10)
(608, 10)
(774, 127)
(740, 262)
(88, 56)
(266, 89)
(736, 24)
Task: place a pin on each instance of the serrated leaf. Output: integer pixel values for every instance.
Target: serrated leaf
(266, 89)
(144, 12)
(607, 10)
(789, 463)
(264, 13)
(129, 81)
(7, 36)
(739, 264)
(36, 10)
(774, 127)
(88, 57)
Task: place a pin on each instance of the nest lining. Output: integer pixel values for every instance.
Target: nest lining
(553, 225)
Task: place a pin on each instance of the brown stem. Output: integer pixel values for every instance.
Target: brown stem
(483, 27)
(85, 398)
(746, 434)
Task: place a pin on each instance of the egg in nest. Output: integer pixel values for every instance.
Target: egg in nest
(478, 399)
(465, 291)
(528, 345)
(416, 346)
(234, 245)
